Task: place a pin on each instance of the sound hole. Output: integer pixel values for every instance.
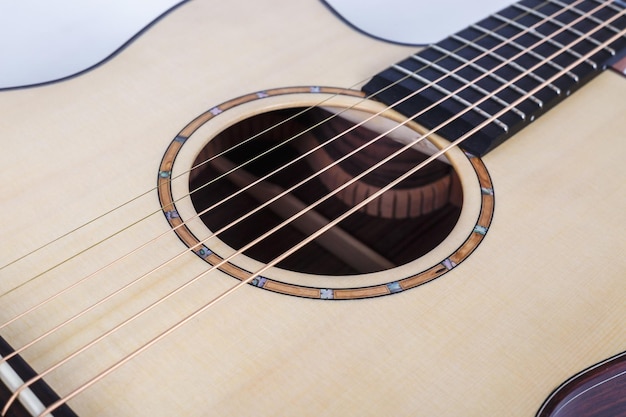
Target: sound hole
(264, 156)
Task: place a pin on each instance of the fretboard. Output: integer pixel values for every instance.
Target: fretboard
(506, 70)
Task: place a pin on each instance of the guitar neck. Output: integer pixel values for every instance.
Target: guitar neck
(518, 63)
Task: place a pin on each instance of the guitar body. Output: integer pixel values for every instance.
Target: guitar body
(539, 299)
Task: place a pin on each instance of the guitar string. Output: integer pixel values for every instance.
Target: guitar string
(145, 193)
(202, 309)
(523, 98)
(6, 358)
(22, 284)
(213, 234)
(93, 306)
(136, 198)
(91, 275)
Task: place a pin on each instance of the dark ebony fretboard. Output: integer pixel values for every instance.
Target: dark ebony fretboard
(475, 61)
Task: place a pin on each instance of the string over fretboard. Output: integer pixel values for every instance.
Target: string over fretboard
(529, 42)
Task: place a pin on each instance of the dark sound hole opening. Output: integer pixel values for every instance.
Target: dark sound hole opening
(400, 226)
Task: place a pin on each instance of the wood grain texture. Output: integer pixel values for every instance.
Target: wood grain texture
(540, 299)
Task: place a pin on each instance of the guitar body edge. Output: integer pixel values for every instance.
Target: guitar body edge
(538, 300)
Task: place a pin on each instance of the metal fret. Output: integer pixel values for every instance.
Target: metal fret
(470, 84)
(593, 19)
(528, 51)
(513, 64)
(571, 29)
(500, 60)
(610, 6)
(447, 92)
(541, 36)
(489, 73)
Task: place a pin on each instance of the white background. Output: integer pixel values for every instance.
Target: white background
(43, 40)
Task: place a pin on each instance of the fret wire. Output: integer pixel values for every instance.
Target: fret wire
(516, 88)
(493, 75)
(448, 93)
(610, 6)
(472, 85)
(552, 41)
(593, 19)
(571, 29)
(501, 58)
(529, 51)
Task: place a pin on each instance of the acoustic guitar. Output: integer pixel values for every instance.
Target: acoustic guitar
(251, 210)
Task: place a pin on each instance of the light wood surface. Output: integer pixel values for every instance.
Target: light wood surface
(541, 297)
